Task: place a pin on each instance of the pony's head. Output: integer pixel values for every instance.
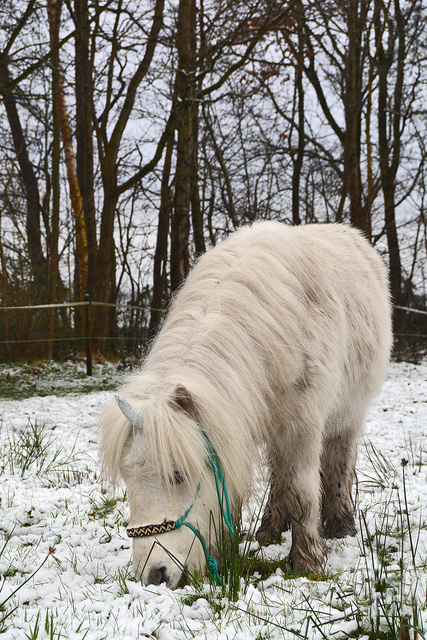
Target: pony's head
(162, 455)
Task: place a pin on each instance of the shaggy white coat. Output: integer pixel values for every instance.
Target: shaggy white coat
(278, 339)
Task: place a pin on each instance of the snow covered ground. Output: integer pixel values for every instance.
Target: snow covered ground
(65, 559)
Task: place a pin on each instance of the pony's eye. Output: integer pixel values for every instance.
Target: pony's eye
(177, 478)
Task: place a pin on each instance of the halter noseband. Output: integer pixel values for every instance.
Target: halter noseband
(151, 529)
(213, 463)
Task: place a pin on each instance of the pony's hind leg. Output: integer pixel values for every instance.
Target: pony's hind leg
(338, 474)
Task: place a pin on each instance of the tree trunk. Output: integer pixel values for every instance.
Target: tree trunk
(54, 15)
(105, 251)
(112, 311)
(298, 156)
(75, 195)
(196, 210)
(371, 188)
(353, 112)
(161, 252)
(4, 281)
(185, 41)
(84, 135)
(389, 166)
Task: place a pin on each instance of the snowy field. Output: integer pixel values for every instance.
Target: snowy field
(65, 558)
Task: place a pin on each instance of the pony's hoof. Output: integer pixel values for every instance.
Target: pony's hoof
(307, 560)
(268, 533)
(339, 529)
(264, 535)
(312, 565)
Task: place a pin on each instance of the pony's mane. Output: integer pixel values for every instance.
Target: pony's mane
(166, 428)
(172, 439)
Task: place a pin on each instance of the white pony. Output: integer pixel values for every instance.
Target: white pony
(276, 342)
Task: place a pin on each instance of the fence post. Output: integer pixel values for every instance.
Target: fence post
(88, 335)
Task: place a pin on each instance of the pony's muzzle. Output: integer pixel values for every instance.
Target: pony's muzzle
(158, 575)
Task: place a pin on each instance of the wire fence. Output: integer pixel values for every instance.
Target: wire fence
(80, 330)
(23, 335)
(411, 309)
(419, 322)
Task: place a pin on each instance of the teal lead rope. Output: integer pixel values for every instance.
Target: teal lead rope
(214, 464)
(210, 561)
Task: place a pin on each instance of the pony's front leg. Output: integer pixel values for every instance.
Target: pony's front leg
(301, 495)
(274, 519)
(307, 551)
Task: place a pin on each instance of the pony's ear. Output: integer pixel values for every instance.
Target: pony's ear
(183, 399)
(129, 412)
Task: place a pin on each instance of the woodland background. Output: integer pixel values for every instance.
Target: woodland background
(135, 135)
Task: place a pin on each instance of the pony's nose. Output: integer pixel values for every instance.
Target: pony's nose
(157, 575)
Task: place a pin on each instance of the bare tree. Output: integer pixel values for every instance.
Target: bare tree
(109, 145)
(33, 204)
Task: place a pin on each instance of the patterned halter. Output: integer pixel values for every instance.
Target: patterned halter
(151, 529)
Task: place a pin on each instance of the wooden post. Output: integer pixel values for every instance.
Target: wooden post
(88, 335)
